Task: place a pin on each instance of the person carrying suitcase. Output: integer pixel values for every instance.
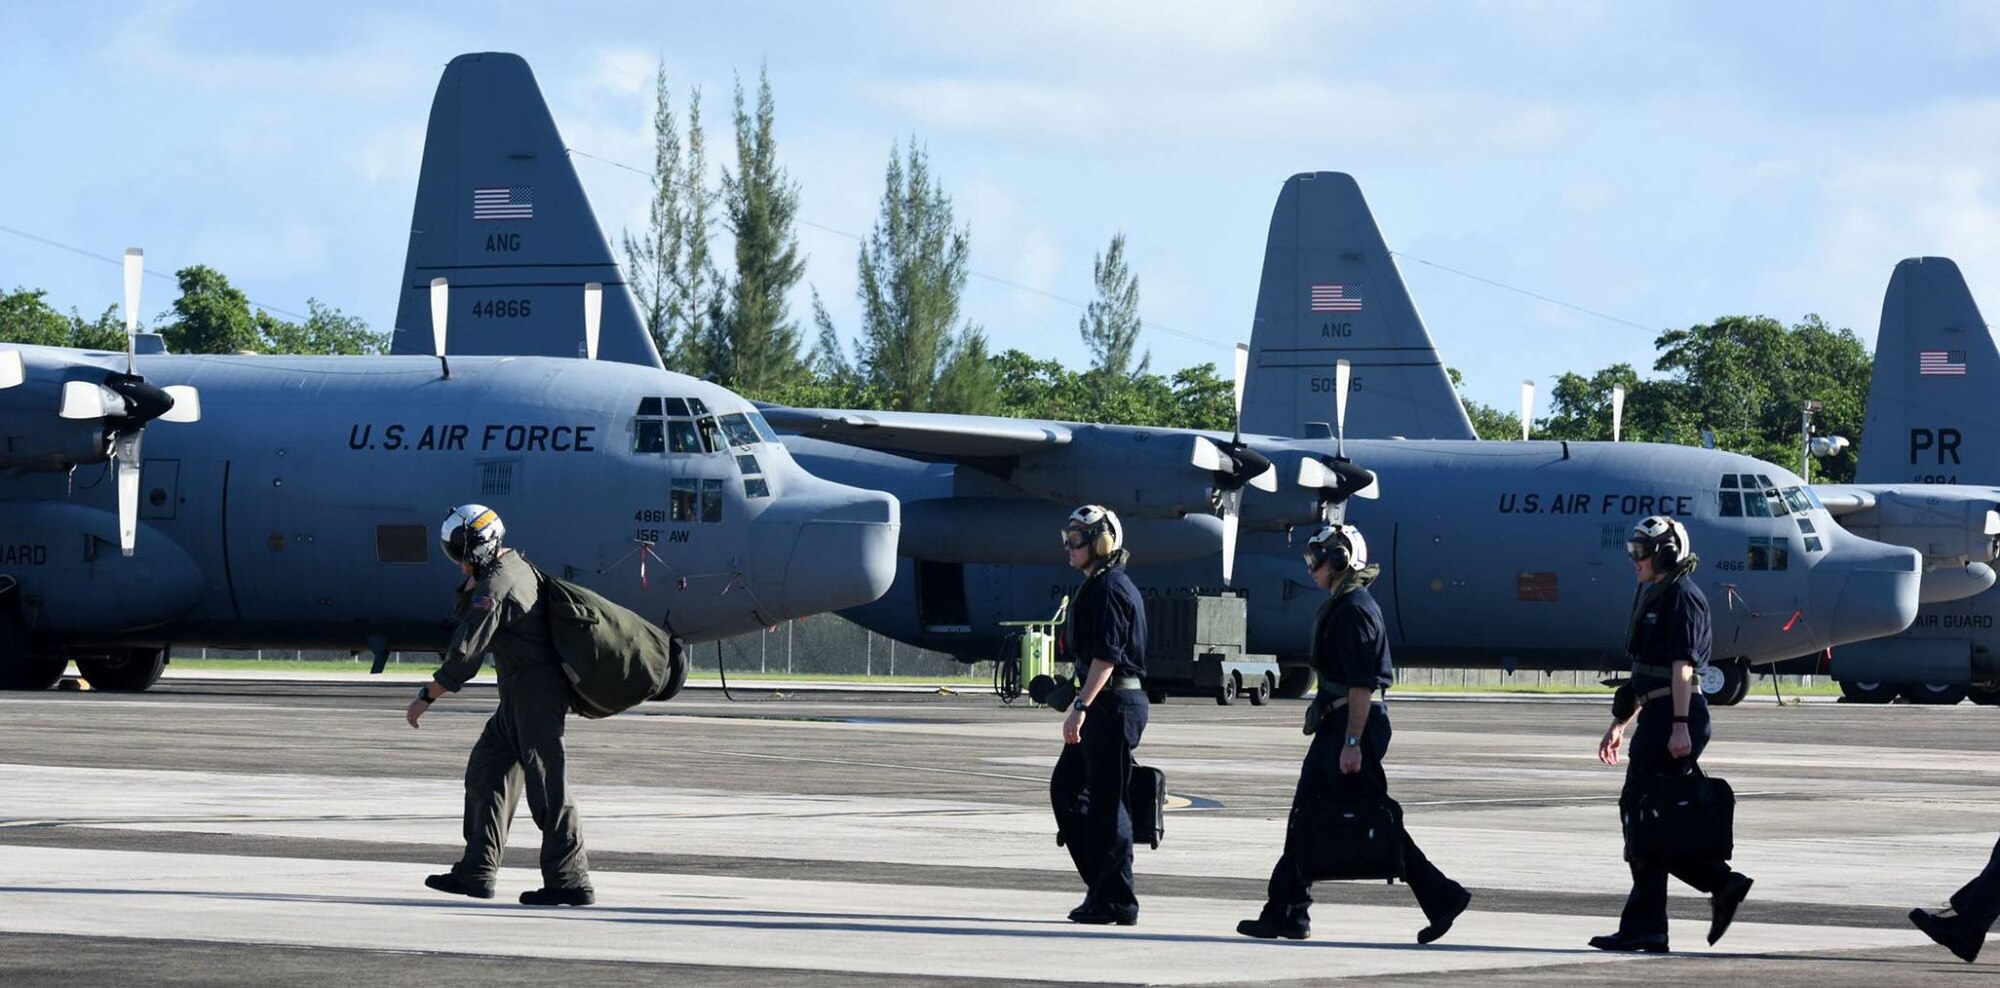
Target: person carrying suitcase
(1350, 735)
(1087, 790)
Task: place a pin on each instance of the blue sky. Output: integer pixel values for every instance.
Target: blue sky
(1664, 163)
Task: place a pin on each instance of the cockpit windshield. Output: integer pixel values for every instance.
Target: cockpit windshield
(685, 425)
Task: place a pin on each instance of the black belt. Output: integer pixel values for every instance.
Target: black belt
(1125, 683)
(1657, 672)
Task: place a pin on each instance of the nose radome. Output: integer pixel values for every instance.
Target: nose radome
(1869, 589)
(842, 543)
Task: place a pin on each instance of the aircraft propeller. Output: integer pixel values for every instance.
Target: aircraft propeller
(1338, 479)
(1234, 466)
(127, 402)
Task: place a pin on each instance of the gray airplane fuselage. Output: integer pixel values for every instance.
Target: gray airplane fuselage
(302, 509)
(1507, 554)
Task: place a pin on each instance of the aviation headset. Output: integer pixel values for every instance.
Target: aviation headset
(1341, 545)
(1659, 536)
(1102, 533)
(472, 534)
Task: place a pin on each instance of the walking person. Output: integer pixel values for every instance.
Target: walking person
(1668, 640)
(499, 609)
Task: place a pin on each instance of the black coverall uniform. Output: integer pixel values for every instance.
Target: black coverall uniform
(1349, 649)
(522, 744)
(1672, 626)
(1087, 789)
(1978, 903)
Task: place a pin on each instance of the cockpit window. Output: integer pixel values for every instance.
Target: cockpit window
(738, 429)
(1756, 505)
(695, 407)
(676, 406)
(682, 438)
(1728, 481)
(649, 406)
(1730, 502)
(763, 428)
(711, 434)
(711, 500)
(1796, 500)
(647, 436)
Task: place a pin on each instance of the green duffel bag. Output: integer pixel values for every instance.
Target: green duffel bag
(614, 658)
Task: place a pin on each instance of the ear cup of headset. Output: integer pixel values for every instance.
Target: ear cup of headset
(1103, 545)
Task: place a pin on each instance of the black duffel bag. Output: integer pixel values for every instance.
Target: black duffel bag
(1680, 812)
(1347, 835)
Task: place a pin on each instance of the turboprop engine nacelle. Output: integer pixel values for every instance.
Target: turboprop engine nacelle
(1951, 528)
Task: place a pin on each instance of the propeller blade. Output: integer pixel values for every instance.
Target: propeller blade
(1527, 407)
(1209, 456)
(1343, 375)
(1617, 410)
(135, 272)
(1313, 473)
(84, 400)
(1372, 490)
(1266, 481)
(1242, 367)
(187, 404)
(440, 307)
(1229, 526)
(12, 370)
(1992, 523)
(126, 452)
(593, 313)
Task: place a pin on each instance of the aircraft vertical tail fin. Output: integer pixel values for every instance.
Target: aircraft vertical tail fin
(1330, 291)
(501, 215)
(1931, 415)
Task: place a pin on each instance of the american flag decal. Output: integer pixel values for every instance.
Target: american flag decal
(1941, 363)
(1336, 298)
(504, 203)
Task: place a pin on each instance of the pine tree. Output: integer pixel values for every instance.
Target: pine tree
(1110, 324)
(652, 263)
(757, 342)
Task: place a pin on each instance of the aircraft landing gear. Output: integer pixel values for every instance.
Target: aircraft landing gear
(1985, 696)
(1934, 694)
(1294, 682)
(132, 670)
(21, 669)
(1855, 691)
(1726, 682)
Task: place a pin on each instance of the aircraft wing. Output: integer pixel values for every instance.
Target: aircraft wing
(1844, 499)
(921, 433)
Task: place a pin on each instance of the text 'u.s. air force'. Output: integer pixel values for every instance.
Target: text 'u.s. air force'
(456, 437)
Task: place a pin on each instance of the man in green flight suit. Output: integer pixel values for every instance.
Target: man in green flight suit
(499, 610)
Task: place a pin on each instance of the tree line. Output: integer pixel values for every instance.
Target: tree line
(1736, 382)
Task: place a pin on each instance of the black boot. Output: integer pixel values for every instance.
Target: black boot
(1643, 943)
(1945, 926)
(1266, 929)
(580, 895)
(1723, 906)
(1092, 914)
(1441, 923)
(451, 882)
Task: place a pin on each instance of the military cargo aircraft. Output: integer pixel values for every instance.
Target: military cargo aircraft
(1505, 554)
(293, 501)
(1929, 477)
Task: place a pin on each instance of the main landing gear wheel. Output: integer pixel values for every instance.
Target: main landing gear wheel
(1934, 694)
(1857, 691)
(1985, 696)
(1726, 682)
(1294, 682)
(130, 671)
(1156, 696)
(1262, 694)
(1226, 693)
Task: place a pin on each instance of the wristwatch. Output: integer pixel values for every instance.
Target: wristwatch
(424, 693)
(1078, 705)
(1354, 740)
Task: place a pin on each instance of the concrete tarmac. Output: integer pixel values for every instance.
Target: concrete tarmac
(213, 832)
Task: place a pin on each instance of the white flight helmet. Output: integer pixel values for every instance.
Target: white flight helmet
(1342, 545)
(1659, 536)
(1101, 531)
(471, 534)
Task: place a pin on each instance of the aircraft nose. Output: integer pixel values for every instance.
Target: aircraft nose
(1868, 589)
(839, 546)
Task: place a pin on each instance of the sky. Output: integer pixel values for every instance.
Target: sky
(1658, 165)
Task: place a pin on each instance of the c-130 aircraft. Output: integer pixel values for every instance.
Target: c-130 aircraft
(1505, 554)
(298, 504)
